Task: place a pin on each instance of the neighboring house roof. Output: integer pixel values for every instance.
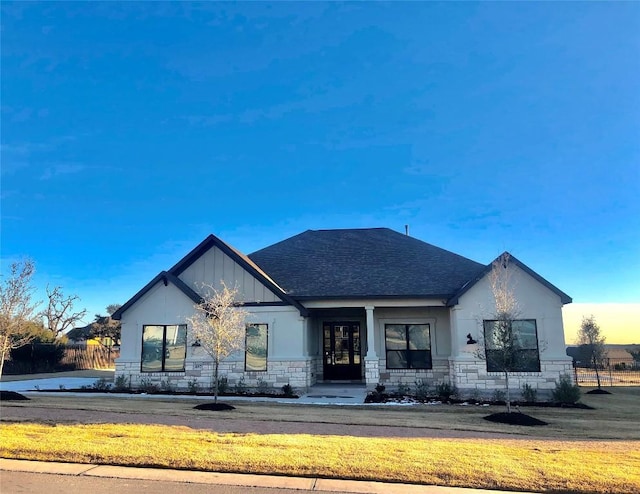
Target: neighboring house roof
(564, 298)
(364, 263)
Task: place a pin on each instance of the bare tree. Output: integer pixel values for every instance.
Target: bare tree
(16, 308)
(502, 346)
(592, 344)
(218, 325)
(59, 315)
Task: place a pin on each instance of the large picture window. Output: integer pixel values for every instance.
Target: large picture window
(255, 355)
(164, 348)
(408, 346)
(512, 345)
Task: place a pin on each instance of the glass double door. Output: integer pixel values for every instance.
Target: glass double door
(341, 345)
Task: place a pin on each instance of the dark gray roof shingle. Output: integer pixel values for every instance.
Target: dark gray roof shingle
(355, 263)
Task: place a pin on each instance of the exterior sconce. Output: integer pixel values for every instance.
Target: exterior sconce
(470, 340)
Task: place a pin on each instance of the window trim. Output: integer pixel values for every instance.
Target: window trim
(536, 367)
(266, 349)
(164, 348)
(407, 348)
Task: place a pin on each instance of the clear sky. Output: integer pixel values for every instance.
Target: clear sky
(130, 131)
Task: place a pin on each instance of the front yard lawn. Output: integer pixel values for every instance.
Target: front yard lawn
(584, 451)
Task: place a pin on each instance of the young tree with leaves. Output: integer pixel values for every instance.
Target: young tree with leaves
(592, 344)
(16, 308)
(59, 315)
(218, 326)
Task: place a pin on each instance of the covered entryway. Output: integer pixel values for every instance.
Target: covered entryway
(342, 351)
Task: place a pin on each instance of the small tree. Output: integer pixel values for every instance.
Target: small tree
(592, 343)
(59, 315)
(502, 346)
(218, 325)
(635, 355)
(16, 308)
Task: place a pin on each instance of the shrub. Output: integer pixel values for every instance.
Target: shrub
(102, 385)
(146, 386)
(445, 390)
(287, 390)
(380, 388)
(403, 389)
(223, 384)
(474, 395)
(422, 389)
(529, 393)
(192, 386)
(240, 387)
(566, 392)
(498, 395)
(262, 386)
(122, 383)
(166, 386)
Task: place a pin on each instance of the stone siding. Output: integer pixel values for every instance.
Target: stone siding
(472, 375)
(297, 373)
(392, 378)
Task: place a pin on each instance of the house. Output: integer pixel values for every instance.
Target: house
(356, 305)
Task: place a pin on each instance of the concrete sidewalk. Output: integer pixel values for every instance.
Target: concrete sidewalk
(234, 479)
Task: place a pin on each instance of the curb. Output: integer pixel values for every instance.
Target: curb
(233, 479)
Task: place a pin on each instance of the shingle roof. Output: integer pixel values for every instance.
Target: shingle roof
(356, 263)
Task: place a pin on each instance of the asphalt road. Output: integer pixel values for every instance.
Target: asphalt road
(23, 482)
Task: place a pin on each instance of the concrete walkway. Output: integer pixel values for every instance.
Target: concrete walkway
(320, 394)
(216, 478)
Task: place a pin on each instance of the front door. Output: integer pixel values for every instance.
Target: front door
(342, 351)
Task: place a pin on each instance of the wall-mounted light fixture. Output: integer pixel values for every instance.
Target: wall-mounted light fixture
(470, 340)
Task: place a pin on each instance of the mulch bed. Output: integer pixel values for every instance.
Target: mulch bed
(168, 393)
(215, 407)
(514, 418)
(391, 398)
(12, 396)
(598, 392)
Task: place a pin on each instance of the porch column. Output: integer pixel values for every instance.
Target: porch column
(371, 348)
(371, 362)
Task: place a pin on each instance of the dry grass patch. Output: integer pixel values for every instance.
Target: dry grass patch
(614, 417)
(570, 466)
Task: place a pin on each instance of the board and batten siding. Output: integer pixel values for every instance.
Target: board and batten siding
(215, 266)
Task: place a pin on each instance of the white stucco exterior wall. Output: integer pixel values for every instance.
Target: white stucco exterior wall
(168, 305)
(535, 301)
(214, 267)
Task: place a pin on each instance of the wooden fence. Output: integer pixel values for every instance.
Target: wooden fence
(82, 357)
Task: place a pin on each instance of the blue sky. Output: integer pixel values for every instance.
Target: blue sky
(130, 131)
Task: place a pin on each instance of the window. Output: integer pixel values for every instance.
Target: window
(164, 348)
(255, 354)
(512, 345)
(408, 346)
